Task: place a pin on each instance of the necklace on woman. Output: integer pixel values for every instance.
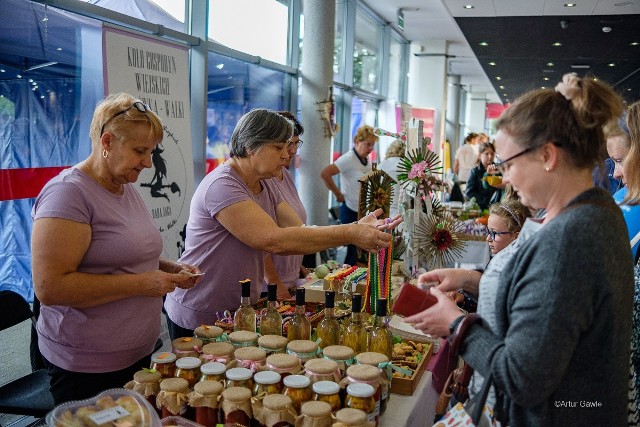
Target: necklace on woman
(363, 160)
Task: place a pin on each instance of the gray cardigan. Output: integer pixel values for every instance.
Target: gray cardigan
(560, 356)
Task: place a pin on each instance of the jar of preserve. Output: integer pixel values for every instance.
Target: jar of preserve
(165, 363)
(213, 371)
(236, 406)
(315, 414)
(327, 391)
(381, 361)
(173, 397)
(187, 347)
(284, 364)
(250, 357)
(276, 411)
(239, 377)
(204, 399)
(341, 354)
(243, 339)
(349, 417)
(189, 369)
(303, 349)
(297, 387)
(272, 344)
(366, 374)
(266, 382)
(360, 396)
(217, 352)
(208, 333)
(147, 383)
(322, 370)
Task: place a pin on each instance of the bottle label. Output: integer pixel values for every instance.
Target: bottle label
(376, 411)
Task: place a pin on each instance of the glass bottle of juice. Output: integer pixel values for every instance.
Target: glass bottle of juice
(381, 339)
(355, 336)
(328, 329)
(270, 318)
(299, 327)
(244, 318)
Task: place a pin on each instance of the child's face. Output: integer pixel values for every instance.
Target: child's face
(498, 226)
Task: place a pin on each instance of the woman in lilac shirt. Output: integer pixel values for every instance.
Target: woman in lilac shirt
(96, 258)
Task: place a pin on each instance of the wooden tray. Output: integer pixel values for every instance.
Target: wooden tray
(406, 386)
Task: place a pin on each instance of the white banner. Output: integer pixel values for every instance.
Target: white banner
(158, 73)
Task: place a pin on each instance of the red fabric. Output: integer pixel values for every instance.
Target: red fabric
(25, 183)
(494, 110)
(211, 165)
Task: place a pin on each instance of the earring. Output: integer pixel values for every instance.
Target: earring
(105, 153)
(546, 168)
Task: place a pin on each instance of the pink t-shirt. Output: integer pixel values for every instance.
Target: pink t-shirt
(124, 240)
(223, 258)
(288, 267)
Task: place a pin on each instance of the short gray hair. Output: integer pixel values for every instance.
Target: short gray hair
(258, 127)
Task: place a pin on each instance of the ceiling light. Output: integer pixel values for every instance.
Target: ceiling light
(18, 76)
(501, 87)
(569, 5)
(611, 64)
(498, 78)
(59, 49)
(484, 44)
(504, 94)
(468, 6)
(549, 64)
(2, 70)
(492, 63)
(220, 66)
(580, 66)
(634, 43)
(545, 78)
(543, 87)
(629, 90)
(557, 44)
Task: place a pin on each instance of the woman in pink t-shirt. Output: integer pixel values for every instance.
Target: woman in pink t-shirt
(96, 260)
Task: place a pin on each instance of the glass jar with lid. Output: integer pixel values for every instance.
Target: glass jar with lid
(266, 382)
(322, 370)
(277, 411)
(173, 397)
(315, 414)
(217, 352)
(381, 361)
(366, 374)
(208, 333)
(360, 396)
(297, 387)
(273, 344)
(352, 417)
(189, 369)
(147, 383)
(250, 357)
(239, 377)
(243, 339)
(204, 399)
(303, 349)
(284, 364)
(212, 371)
(186, 347)
(341, 354)
(327, 391)
(236, 406)
(165, 363)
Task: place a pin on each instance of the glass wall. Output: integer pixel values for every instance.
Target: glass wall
(339, 40)
(395, 76)
(366, 55)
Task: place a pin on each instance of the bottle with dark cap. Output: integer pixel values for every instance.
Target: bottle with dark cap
(270, 318)
(244, 318)
(299, 328)
(355, 335)
(328, 329)
(381, 339)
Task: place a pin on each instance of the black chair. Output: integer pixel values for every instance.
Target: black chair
(28, 395)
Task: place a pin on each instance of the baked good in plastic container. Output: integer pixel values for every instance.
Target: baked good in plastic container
(177, 421)
(114, 406)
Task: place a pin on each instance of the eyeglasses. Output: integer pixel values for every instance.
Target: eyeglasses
(298, 144)
(140, 106)
(502, 165)
(494, 233)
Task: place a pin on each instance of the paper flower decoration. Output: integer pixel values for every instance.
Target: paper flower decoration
(438, 239)
(421, 166)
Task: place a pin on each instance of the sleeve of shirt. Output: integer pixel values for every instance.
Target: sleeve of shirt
(62, 200)
(342, 162)
(224, 191)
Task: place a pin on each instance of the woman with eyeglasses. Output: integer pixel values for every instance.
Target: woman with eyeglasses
(238, 214)
(286, 270)
(96, 260)
(558, 352)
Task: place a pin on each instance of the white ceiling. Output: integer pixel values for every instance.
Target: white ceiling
(434, 19)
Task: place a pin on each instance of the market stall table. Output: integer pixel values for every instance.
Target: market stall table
(417, 410)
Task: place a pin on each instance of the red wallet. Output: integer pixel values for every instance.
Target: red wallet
(412, 300)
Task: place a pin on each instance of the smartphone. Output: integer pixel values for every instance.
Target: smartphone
(412, 300)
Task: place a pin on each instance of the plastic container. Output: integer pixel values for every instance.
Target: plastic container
(115, 405)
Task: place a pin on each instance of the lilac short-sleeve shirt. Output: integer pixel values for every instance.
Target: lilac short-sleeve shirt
(223, 258)
(124, 240)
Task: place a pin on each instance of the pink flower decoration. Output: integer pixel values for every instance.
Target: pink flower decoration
(417, 170)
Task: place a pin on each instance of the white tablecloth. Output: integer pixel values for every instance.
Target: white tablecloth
(417, 410)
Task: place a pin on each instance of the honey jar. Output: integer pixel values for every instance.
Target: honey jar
(327, 391)
(276, 411)
(239, 377)
(189, 369)
(212, 371)
(273, 344)
(236, 406)
(341, 354)
(243, 339)
(315, 414)
(147, 383)
(297, 387)
(352, 418)
(369, 375)
(172, 398)
(204, 399)
(303, 349)
(360, 396)
(266, 382)
(250, 357)
(381, 361)
(322, 370)
(186, 347)
(217, 352)
(208, 333)
(165, 363)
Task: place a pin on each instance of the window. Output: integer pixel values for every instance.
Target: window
(396, 60)
(366, 55)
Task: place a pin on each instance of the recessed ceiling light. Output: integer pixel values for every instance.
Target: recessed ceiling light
(220, 66)
(468, 6)
(543, 87)
(629, 90)
(549, 64)
(59, 49)
(492, 63)
(545, 78)
(18, 76)
(501, 87)
(498, 78)
(611, 64)
(1, 70)
(504, 94)
(569, 5)
(484, 44)
(557, 44)
(634, 43)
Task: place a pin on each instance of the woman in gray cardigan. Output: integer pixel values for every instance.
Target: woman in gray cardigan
(558, 351)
